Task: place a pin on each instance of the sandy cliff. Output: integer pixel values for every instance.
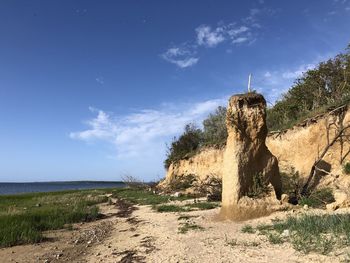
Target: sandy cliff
(296, 148)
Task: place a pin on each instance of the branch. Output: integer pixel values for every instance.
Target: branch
(314, 166)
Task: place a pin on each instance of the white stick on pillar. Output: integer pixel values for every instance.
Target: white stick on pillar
(249, 81)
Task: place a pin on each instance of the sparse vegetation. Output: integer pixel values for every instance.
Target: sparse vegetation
(185, 208)
(143, 196)
(187, 226)
(248, 229)
(204, 205)
(311, 233)
(318, 198)
(169, 208)
(23, 218)
(292, 185)
(182, 182)
(259, 187)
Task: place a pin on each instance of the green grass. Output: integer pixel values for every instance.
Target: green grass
(23, 218)
(169, 208)
(318, 198)
(187, 226)
(248, 229)
(311, 233)
(204, 205)
(144, 197)
(185, 208)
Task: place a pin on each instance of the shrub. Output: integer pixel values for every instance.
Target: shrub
(182, 182)
(211, 187)
(259, 187)
(318, 198)
(314, 92)
(292, 185)
(185, 146)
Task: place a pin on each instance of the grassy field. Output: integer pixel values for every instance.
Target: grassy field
(24, 217)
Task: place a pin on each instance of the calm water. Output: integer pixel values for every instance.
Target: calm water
(17, 188)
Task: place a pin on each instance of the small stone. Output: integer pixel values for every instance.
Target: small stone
(285, 233)
(306, 207)
(284, 198)
(38, 205)
(59, 255)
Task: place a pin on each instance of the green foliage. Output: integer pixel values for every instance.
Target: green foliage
(23, 218)
(185, 146)
(214, 128)
(248, 229)
(317, 90)
(346, 168)
(318, 198)
(259, 187)
(214, 134)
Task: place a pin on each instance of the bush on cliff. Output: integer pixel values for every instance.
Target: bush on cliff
(317, 90)
(185, 146)
(214, 134)
(214, 128)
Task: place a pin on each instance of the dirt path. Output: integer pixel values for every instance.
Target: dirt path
(138, 234)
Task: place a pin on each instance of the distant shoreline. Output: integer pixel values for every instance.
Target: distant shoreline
(9, 188)
(59, 182)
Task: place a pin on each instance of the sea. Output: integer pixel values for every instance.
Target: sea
(20, 188)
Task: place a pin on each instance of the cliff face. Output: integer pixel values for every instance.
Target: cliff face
(296, 148)
(207, 162)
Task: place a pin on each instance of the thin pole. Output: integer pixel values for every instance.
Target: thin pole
(249, 81)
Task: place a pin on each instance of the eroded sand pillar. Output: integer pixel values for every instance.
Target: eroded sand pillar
(246, 154)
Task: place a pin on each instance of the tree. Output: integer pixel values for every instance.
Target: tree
(214, 128)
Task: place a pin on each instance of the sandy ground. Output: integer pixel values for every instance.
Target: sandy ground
(139, 234)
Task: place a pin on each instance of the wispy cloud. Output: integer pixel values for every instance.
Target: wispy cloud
(139, 133)
(180, 56)
(208, 36)
(100, 80)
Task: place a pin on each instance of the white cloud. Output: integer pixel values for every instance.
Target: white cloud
(239, 40)
(236, 31)
(100, 80)
(139, 134)
(180, 56)
(293, 74)
(208, 37)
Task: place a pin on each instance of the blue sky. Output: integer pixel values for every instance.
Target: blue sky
(95, 89)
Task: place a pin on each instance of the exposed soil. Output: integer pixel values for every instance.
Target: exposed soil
(138, 234)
